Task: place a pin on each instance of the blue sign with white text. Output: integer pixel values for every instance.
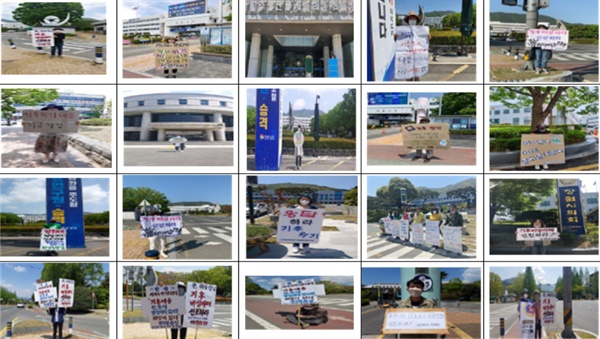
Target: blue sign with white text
(572, 217)
(187, 8)
(333, 68)
(268, 129)
(387, 98)
(64, 203)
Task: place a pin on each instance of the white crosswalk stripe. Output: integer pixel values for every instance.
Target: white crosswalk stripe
(225, 322)
(378, 248)
(575, 56)
(184, 231)
(199, 230)
(218, 230)
(223, 236)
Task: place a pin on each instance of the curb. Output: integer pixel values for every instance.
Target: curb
(565, 76)
(95, 150)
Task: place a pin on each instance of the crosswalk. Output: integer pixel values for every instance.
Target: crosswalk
(219, 232)
(575, 56)
(222, 322)
(335, 302)
(380, 248)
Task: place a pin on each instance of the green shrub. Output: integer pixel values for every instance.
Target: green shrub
(450, 40)
(463, 131)
(584, 41)
(365, 302)
(217, 49)
(505, 138)
(96, 122)
(568, 239)
(550, 217)
(449, 296)
(82, 299)
(310, 143)
(258, 231)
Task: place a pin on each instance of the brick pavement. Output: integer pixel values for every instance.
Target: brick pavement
(135, 247)
(136, 66)
(18, 61)
(464, 325)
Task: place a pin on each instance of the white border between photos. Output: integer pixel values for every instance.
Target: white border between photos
(479, 221)
(491, 258)
(302, 81)
(179, 81)
(108, 91)
(119, 280)
(234, 214)
(486, 123)
(119, 109)
(243, 145)
(479, 56)
(523, 264)
(242, 222)
(296, 269)
(91, 79)
(112, 224)
(434, 169)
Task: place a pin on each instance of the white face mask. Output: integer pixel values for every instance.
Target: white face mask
(304, 202)
(412, 22)
(415, 292)
(525, 295)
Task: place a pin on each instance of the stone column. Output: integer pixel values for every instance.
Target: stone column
(145, 126)
(208, 135)
(338, 51)
(219, 134)
(161, 134)
(254, 62)
(326, 60)
(269, 71)
(263, 63)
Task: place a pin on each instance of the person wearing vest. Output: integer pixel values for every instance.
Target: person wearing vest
(538, 314)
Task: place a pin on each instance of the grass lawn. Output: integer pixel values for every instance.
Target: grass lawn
(448, 33)
(132, 314)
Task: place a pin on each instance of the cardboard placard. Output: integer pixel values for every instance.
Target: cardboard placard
(42, 36)
(418, 237)
(53, 240)
(199, 305)
(415, 321)
(163, 306)
(533, 234)
(426, 136)
(66, 292)
(452, 239)
(172, 56)
(539, 149)
(50, 121)
(299, 292)
(432, 233)
(412, 52)
(46, 294)
(556, 40)
(161, 226)
(299, 225)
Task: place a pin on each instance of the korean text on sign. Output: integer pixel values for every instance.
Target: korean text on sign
(409, 320)
(53, 240)
(539, 149)
(163, 306)
(50, 121)
(46, 294)
(426, 136)
(299, 225)
(199, 305)
(300, 292)
(172, 56)
(432, 233)
(557, 40)
(412, 52)
(533, 234)
(66, 290)
(161, 226)
(548, 307)
(452, 239)
(42, 37)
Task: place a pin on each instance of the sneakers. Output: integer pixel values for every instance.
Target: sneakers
(545, 166)
(545, 71)
(537, 71)
(45, 161)
(537, 167)
(163, 255)
(306, 250)
(55, 159)
(295, 249)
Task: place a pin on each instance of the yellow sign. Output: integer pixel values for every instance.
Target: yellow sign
(58, 215)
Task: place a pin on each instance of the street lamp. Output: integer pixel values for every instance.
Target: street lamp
(316, 134)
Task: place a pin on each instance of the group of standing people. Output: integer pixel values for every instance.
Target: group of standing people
(453, 217)
(537, 305)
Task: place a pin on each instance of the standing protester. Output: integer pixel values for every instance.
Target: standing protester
(51, 142)
(454, 218)
(541, 129)
(415, 288)
(524, 298)
(305, 202)
(429, 152)
(541, 55)
(298, 148)
(58, 318)
(537, 246)
(178, 142)
(152, 241)
(181, 288)
(53, 225)
(538, 314)
(412, 19)
(173, 71)
(59, 40)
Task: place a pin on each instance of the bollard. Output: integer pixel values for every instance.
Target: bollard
(40, 50)
(70, 325)
(501, 327)
(9, 329)
(12, 44)
(517, 54)
(99, 55)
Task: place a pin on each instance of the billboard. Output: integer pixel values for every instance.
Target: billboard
(268, 129)
(64, 203)
(187, 8)
(387, 98)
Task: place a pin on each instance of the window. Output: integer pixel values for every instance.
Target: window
(496, 112)
(222, 103)
(494, 121)
(545, 203)
(517, 110)
(132, 120)
(183, 101)
(527, 110)
(140, 103)
(125, 105)
(182, 117)
(592, 201)
(526, 121)
(204, 102)
(160, 101)
(516, 121)
(506, 111)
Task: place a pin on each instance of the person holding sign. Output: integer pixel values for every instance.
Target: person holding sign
(413, 19)
(541, 129)
(59, 41)
(524, 298)
(58, 318)
(541, 55)
(181, 289)
(537, 246)
(415, 288)
(298, 149)
(454, 218)
(173, 71)
(178, 142)
(51, 142)
(53, 225)
(538, 314)
(429, 152)
(305, 202)
(152, 242)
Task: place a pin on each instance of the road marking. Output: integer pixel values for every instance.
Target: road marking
(558, 57)
(334, 317)
(374, 240)
(223, 236)
(399, 253)
(459, 70)
(184, 231)
(458, 331)
(199, 230)
(171, 147)
(310, 162)
(265, 324)
(590, 167)
(13, 324)
(372, 253)
(381, 336)
(336, 165)
(218, 230)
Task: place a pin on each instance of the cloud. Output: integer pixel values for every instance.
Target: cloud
(23, 191)
(299, 104)
(539, 274)
(471, 274)
(340, 279)
(20, 269)
(95, 198)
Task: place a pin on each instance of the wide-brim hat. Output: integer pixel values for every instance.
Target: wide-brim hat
(542, 25)
(60, 108)
(411, 14)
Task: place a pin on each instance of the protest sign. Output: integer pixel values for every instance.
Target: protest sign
(403, 229)
(42, 36)
(199, 305)
(539, 149)
(527, 320)
(66, 290)
(172, 56)
(432, 233)
(556, 40)
(452, 239)
(46, 294)
(387, 222)
(548, 307)
(412, 52)
(299, 225)
(415, 321)
(52, 122)
(426, 136)
(160, 226)
(299, 292)
(163, 306)
(533, 234)
(53, 240)
(417, 234)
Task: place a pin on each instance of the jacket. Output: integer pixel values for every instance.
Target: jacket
(419, 218)
(454, 219)
(57, 317)
(425, 303)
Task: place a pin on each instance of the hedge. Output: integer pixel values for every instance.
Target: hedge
(96, 122)
(463, 131)
(364, 302)
(450, 40)
(310, 143)
(20, 229)
(509, 138)
(258, 231)
(217, 49)
(584, 41)
(550, 217)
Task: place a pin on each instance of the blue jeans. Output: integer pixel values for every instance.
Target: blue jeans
(55, 47)
(541, 58)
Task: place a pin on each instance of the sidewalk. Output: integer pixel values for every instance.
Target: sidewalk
(134, 247)
(17, 61)
(514, 332)
(464, 325)
(143, 331)
(140, 66)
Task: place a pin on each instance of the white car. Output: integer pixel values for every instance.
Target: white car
(5, 122)
(20, 305)
(259, 209)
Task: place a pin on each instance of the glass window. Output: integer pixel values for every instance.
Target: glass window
(526, 121)
(222, 103)
(496, 112)
(125, 105)
(228, 120)
(182, 117)
(140, 103)
(527, 110)
(592, 201)
(545, 203)
(506, 111)
(160, 101)
(132, 120)
(516, 110)
(204, 102)
(516, 121)
(183, 101)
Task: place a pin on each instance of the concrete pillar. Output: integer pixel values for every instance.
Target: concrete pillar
(326, 60)
(269, 66)
(145, 127)
(263, 63)
(208, 136)
(254, 62)
(338, 51)
(161, 135)
(219, 134)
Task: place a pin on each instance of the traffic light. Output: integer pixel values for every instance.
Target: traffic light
(509, 2)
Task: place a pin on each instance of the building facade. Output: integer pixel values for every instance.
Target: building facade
(319, 197)
(500, 114)
(589, 199)
(87, 104)
(13, 25)
(99, 26)
(158, 117)
(153, 25)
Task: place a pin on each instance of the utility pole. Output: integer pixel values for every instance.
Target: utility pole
(567, 333)
(531, 20)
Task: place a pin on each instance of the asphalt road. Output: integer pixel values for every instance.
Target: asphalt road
(30, 246)
(165, 155)
(324, 163)
(73, 46)
(138, 50)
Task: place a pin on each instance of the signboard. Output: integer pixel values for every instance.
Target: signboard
(199, 305)
(268, 129)
(53, 240)
(570, 207)
(333, 66)
(163, 306)
(172, 56)
(387, 225)
(220, 36)
(387, 98)
(412, 52)
(66, 291)
(64, 203)
(527, 320)
(426, 136)
(381, 26)
(403, 229)
(432, 233)
(556, 40)
(161, 226)
(46, 294)
(417, 234)
(50, 121)
(42, 37)
(415, 321)
(533, 234)
(539, 149)
(299, 225)
(300, 292)
(548, 307)
(453, 239)
(187, 8)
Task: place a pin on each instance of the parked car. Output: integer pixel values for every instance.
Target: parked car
(20, 305)
(259, 210)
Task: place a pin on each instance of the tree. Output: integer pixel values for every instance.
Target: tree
(25, 96)
(453, 286)
(452, 20)
(427, 193)
(459, 103)
(529, 280)
(33, 13)
(10, 219)
(351, 197)
(87, 274)
(132, 197)
(253, 288)
(251, 118)
(341, 119)
(581, 101)
(558, 288)
(495, 285)
(443, 275)
(82, 299)
(471, 291)
(229, 17)
(391, 192)
(543, 99)
(517, 195)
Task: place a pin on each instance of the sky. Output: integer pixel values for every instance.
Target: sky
(217, 90)
(179, 188)
(305, 98)
(334, 181)
(153, 7)
(21, 277)
(543, 274)
(572, 11)
(267, 282)
(431, 181)
(24, 195)
(587, 184)
(391, 275)
(94, 10)
(405, 6)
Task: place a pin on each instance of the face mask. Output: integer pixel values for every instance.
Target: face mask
(415, 292)
(525, 295)
(412, 22)
(303, 202)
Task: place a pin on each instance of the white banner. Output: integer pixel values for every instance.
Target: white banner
(412, 52)
(556, 40)
(548, 307)
(163, 306)
(66, 292)
(199, 305)
(387, 222)
(299, 225)
(53, 240)
(42, 37)
(527, 320)
(300, 292)
(532, 234)
(46, 294)
(452, 239)
(161, 226)
(432, 233)
(404, 229)
(417, 234)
